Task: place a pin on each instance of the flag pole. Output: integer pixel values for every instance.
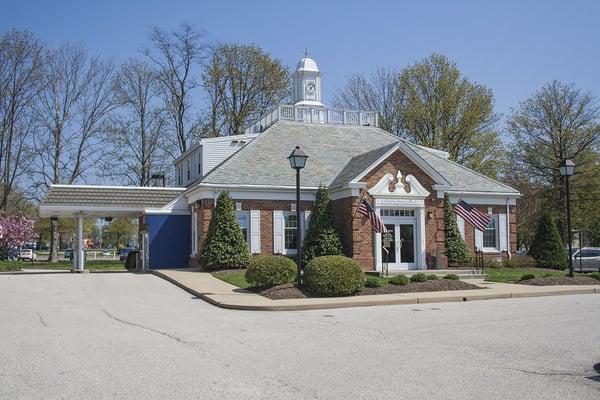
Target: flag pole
(359, 201)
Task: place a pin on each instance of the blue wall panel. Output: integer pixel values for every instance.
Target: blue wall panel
(169, 240)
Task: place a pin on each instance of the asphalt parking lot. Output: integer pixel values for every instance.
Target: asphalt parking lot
(127, 336)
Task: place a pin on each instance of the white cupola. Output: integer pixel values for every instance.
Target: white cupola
(307, 83)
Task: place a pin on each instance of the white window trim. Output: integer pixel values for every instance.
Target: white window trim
(248, 228)
(495, 249)
(285, 251)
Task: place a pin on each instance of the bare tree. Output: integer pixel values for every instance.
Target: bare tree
(380, 92)
(176, 54)
(20, 82)
(136, 131)
(71, 109)
(242, 82)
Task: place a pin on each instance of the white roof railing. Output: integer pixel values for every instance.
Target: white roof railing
(314, 115)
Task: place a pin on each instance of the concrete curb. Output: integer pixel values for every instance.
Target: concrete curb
(240, 301)
(59, 271)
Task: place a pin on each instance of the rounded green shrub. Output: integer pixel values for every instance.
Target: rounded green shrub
(432, 277)
(595, 275)
(525, 277)
(333, 276)
(401, 280)
(372, 282)
(451, 277)
(270, 270)
(419, 277)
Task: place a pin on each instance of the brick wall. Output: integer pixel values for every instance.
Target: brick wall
(355, 231)
(205, 208)
(362, 233)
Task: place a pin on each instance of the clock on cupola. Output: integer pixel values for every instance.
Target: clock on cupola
(307, 83)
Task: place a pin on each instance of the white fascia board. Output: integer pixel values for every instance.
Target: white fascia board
(345, 192)
(177, 206)
(481, 198)
(250, 192)
(165, 211)
(442, 190)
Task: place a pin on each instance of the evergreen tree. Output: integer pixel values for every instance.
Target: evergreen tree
(224, 246)
(547, 247)
(321, 238)
(456, 249)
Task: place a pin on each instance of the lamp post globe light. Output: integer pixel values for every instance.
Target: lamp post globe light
(567, 169)
(298, 161)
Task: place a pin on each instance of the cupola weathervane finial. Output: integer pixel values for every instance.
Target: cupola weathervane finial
(306, 52)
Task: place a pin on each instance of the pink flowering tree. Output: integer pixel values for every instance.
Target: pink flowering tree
(14, 231)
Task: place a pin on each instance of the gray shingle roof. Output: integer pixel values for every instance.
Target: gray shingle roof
(460, 178)
(329, 147)
(337, 154)
(109, 196)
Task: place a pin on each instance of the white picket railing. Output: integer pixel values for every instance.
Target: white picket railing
(315, 115)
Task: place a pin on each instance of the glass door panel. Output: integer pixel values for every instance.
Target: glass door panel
(389, 244)
(407, 243)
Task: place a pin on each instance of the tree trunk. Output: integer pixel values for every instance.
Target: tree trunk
(53, 257)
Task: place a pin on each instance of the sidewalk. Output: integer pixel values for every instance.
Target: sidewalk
(223, 294)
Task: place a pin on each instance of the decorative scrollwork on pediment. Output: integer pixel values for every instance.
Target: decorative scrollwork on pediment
(407, 186)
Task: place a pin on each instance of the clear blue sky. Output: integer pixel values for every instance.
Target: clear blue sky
(511, 46)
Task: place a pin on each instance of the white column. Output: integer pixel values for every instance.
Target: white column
(80, 250)
(421, 248)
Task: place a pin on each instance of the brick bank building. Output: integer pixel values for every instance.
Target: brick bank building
(348, 153)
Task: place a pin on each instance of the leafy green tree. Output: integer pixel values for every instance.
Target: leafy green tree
(321, 238)
(432, 104)
(242, 83)
(119, 232)
(559, 121)
(547, 248)
(224, 246)
(456, 249)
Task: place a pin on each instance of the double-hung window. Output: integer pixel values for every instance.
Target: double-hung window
(490, 234)
(243, 218)
(290, 223)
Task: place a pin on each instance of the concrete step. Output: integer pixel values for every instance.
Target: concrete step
(461, 273)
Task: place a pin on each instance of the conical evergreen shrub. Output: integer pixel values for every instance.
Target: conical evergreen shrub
(547, 247)
(321, 238)
(224, 246)
(456, 248)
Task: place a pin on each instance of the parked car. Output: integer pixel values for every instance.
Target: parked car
(27, 254)
(589, 257)
(124, 252)
(106, 253)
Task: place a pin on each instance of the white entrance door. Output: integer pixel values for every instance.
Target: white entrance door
(399, 247)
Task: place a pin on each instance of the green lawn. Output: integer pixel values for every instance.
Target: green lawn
(62, 265)
(235, 278)
(511, 275)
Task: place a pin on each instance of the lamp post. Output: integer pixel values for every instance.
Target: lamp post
(567, 169)
(297, 162)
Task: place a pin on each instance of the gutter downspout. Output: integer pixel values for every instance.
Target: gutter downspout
(508, 228)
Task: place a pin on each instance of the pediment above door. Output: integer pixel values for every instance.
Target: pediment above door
(399, 186)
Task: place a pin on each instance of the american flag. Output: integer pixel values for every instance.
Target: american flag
(365, 208)
(473, 216)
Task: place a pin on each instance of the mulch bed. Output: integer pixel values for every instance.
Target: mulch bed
(290, 291)
(561, 280)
